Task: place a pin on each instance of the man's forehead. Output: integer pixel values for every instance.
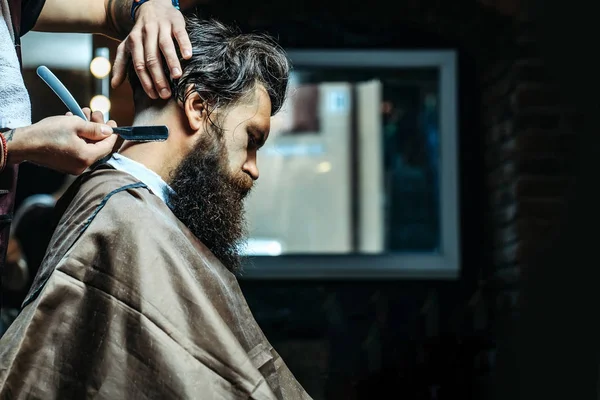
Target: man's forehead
(262, 99)
(261, 120)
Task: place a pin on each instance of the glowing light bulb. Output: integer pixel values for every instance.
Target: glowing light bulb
(100, 67)
(100, 103)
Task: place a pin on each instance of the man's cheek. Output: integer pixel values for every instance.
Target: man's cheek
(236, 163)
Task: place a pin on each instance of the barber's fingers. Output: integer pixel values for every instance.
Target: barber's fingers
(93, 151)
(167, 46)
(103, 147)
(97, 116)
(139, 59)
(94, 131)
(88, 113)
(154, 62)
(119, 66)
(183, 39)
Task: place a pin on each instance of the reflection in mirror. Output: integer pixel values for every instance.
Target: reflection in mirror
(351, 165)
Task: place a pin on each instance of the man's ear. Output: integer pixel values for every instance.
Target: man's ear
(195, 110)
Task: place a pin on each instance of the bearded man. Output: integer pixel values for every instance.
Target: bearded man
(137, 296)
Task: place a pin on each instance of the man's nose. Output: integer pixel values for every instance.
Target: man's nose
(251, 168)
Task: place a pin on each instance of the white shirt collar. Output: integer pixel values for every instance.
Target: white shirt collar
(139, 171)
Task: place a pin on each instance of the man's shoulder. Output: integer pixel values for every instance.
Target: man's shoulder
(113, 199)
(104, 180)
(110, 191)
(105, 211)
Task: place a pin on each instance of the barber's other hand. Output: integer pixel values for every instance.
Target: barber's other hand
(64, 143)
(157, 22)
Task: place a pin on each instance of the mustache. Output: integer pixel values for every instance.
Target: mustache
(243, 183)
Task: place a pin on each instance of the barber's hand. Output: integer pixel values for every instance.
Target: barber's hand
(157, 22)
(63, 143)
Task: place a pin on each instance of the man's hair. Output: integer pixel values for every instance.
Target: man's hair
(226, 65)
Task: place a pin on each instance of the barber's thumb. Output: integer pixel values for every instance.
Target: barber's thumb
(104, 147)
(95, 131)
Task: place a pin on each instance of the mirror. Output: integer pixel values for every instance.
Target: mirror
(351, 165)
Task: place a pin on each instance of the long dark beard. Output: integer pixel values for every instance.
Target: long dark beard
(209, 201)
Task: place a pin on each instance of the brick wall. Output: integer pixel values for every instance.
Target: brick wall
(529, 135)
(529, 132)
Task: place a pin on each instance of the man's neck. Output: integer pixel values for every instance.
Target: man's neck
(160, 157)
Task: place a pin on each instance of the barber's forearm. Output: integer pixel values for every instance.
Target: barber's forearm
(82, 16)
(119, 14)
(107, 17)
(118, 17)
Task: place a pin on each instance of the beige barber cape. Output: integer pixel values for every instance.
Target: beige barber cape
(129, 304)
